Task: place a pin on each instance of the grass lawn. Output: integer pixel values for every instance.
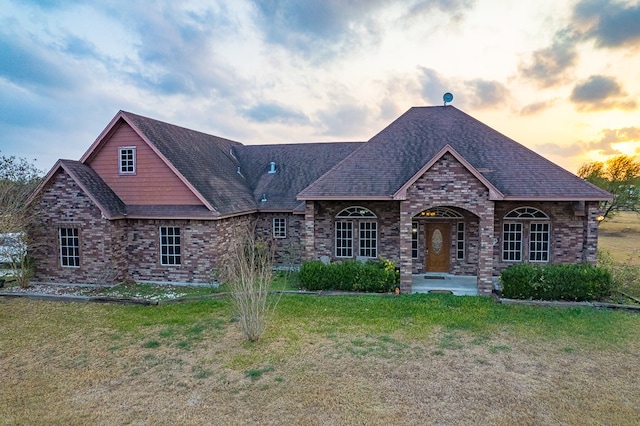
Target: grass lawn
(621, 237)
(419, 359)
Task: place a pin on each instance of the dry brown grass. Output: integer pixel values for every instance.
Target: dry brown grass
(63, 364)
(621, 237)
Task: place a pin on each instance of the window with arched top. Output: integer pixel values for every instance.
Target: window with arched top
(526, 213)
(440, 212)
(366, 237)
(356, 211)
(526, 229)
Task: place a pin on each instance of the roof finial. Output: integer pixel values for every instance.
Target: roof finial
(447, 98)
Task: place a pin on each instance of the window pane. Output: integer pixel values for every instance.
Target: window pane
(170, 245)
(512, 242)
(69, 247)
(539, 244)
(368, 239)
(344, 239)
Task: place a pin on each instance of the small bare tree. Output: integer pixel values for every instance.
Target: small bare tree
(18, 178)
(249, 274)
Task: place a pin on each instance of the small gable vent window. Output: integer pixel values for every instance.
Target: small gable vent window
(127, 160)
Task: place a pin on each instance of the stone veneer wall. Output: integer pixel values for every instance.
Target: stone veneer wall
(63, 204)
(324, 214)
(569, 240)
(288, 251)
(449, 183)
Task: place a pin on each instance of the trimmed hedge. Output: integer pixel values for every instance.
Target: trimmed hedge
(374, 276)
(556, 282)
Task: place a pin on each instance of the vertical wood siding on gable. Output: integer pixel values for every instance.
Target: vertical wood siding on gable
(153, 182)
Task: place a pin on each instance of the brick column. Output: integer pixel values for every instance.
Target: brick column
(485, 260)
(406, 262)
(590, 244)
(308, 231)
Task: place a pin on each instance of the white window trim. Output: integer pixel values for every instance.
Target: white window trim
(350, 247)
(415, 244)
(521, 242)
(279, 231)
(120, 164)
(460, 241)
(77, 238)
(161, 245)
(548, 251)
(374, 240)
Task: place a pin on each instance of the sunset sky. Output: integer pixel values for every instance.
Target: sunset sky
(561, 77)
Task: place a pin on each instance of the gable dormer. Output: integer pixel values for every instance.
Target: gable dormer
(134, 171)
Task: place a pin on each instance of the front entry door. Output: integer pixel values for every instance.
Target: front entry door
(438, 240)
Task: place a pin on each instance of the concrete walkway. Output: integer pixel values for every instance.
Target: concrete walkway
(433, 282)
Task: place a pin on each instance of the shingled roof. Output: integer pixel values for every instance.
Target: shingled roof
(381, 167)
(92, 185)
(296, 167)
(205, 161)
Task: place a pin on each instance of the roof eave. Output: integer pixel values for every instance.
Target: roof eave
(346, 197)
(554, 198)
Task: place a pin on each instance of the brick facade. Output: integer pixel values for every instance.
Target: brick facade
(112, 251)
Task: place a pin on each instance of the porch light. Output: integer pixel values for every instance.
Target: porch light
(600, 218)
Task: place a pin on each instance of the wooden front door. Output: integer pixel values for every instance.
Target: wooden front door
(438, 245)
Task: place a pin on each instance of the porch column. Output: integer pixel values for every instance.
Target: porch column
(309, 238)
(590, 244)
(485, 261)
(406, 262)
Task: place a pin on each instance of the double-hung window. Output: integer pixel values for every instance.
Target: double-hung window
(368, 239)
(344, 239)
(279, 227)
(512, 242)
(170, 250)
(356, 226)
(127, 160)
(526, 234)
(69, 247)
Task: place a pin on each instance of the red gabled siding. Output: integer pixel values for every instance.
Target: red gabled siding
(153, 183)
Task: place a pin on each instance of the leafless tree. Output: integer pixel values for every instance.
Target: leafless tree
(248, 273)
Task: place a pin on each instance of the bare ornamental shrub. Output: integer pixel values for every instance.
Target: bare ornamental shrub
(248, 276)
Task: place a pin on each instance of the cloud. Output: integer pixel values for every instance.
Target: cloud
(27, 63)
(549, 66)
(433, 85)
(175, 52)
(555, 149)
(486, 93)
(346, 119)
(609, 23)
(537, 107)
(272, 112)
(600, 92)
(604, 144)
(319, 28)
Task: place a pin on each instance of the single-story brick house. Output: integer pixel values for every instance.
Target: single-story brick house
(435, 191)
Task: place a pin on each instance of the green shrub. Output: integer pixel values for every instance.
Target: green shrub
(625, 275)
(377, 276)
(556, 282)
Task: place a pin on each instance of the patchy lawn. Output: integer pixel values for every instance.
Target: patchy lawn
(621, 237)
(419, 359)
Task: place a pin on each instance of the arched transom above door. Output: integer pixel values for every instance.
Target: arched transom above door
(440, 212)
